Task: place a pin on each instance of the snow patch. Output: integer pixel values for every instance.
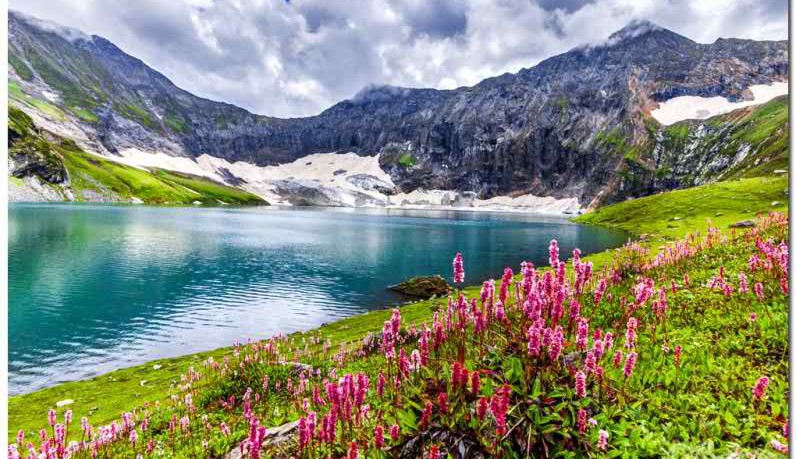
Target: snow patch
(51, 96)
(339, 179)
(313, 171)
(693, 107)
(147, 160)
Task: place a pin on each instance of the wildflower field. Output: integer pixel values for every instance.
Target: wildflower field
(671, 350)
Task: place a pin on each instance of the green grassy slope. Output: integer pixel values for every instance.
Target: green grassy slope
(90, 172)
(674, 213)
(108, 395)
(91, 175)
(748, 142)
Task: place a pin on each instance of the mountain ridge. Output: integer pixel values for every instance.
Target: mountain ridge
(536, 131)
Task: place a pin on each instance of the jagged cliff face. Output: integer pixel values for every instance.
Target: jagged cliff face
(576, 125)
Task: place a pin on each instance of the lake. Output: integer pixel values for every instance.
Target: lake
(93, 288)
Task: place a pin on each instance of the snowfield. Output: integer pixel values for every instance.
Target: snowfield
(336, 179)
(693, 107)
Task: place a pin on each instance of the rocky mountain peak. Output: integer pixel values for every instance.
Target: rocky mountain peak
(636, 28)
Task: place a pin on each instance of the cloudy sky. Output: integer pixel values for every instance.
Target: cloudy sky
(298, 57)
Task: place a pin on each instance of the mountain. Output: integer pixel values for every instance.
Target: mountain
(576, 125)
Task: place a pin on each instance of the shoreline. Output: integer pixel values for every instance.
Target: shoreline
(519, 210)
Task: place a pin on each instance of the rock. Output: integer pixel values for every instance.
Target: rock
(64, 403)
(780, 171)
(452, 444)
(339, 172)
(719, 214)
(423, 287)
(135, 200)
(464, 199)
(157, 367)
(274, 437)
(306, 193)
(775, 204)
(369, 182)
(197, 203)
(744, 224)
(674, 219)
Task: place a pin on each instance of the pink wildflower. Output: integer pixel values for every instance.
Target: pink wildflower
(759, 391)
(534, 341)
(759, 291)
(678, 351)
(499, 406)
(378, 436)
(743, 283)
(425, 417)
(580, 384)
(556, 344)
(630, 363)
(475, 383)
(602, 441)
(353, 451)
(574, 309)
(630, 333)
(481, 408)
(582, 339)
(582, 418)
(600, 290)
(553, 254)
(598, 348)
(395, 432)
(442, 402)
(458, 269)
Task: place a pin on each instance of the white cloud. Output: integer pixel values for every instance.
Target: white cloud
(297, 58)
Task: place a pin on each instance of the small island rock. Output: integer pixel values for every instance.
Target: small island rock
(423, 287)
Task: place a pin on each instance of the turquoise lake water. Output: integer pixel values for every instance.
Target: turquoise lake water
(94, 288)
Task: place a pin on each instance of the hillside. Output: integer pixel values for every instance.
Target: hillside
(45, 166)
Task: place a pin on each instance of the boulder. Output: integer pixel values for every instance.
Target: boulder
(744, 224)
(423, 287)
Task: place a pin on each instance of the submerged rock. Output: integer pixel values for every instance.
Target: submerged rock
(423, 287)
